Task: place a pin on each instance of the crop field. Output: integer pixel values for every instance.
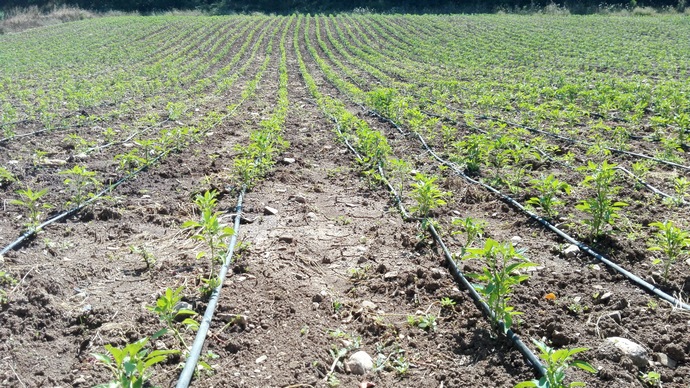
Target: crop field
(472, 201)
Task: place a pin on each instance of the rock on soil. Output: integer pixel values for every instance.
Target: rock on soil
(360, 363)
(632, 350)
(571, 251)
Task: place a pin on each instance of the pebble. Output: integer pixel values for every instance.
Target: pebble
(632, 350)
(360, 363)
(311, 216)
(516, 240)
(390, 275)
(261, 359)
(288, 160)
(665, 360)
(300, 198)
(317, 298)
(571, 251)
(269, 211)
(368, 305)
(605, 298)
(79, 380)
(286, 239)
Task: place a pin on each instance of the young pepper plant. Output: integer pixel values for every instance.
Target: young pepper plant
(130, 365)
(557, 363)
(210, 231)
(501, 262)
(672, 241)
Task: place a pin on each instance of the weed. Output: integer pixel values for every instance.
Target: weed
(5, 279)
(426, 322)
(6, 176)
(651, 378)
(148, 257)
(447, 302)
(557, 363)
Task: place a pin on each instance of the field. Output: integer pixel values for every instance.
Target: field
(427, 189)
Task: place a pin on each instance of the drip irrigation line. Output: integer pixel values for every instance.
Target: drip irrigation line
(76, 209)
(460, 278)
(195, 352)
(37, 132)
(650, 187)
(634, 278)
(457, 274)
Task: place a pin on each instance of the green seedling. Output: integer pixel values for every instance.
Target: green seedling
(399, 169)
(148, 257)
(501, 262)
(640, 169)
(672, 241)
(130, 365)
(29, 200)
(6, 176)
(651, 378)
(401, 365)
(557, 363)
(472, 228)
(680, 187)
(39, 157)
(79, 181)
(426, 322)
(168, 310)
(548, 188)
(603, 210)
(210, 231)
(427, 195)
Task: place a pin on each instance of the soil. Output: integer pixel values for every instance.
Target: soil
(334, 267)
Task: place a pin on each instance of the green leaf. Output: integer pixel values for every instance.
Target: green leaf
(584, 366)
(527, 384)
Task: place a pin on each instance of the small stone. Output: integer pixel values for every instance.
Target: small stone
(79, 380)
(300, 276)
(286, 239)
(665, 360)
(269, 211)
(53, 162)
(80, 157)
(300, 198)
(360, 363)
(261, 359)
(571, 251)
(632, 350)
(437, 273)
(311, 216)
(515, 240)
(595, 267)
(390, 275)
(183, 310)
(368, 305)
(160, 345)
(317, 298)
(606, 297)
(288, 160)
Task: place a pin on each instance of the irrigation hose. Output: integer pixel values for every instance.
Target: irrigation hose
(639, 281)
(460, 278)
(195, 352)
(76, 209)
(457, 274)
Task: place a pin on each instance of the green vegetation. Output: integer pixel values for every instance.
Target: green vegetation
(557, 363)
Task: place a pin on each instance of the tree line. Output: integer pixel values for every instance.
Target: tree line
(289, 6)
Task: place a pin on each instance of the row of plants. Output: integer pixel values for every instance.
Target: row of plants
(213, 234)
(499, 274)
(496, 153)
